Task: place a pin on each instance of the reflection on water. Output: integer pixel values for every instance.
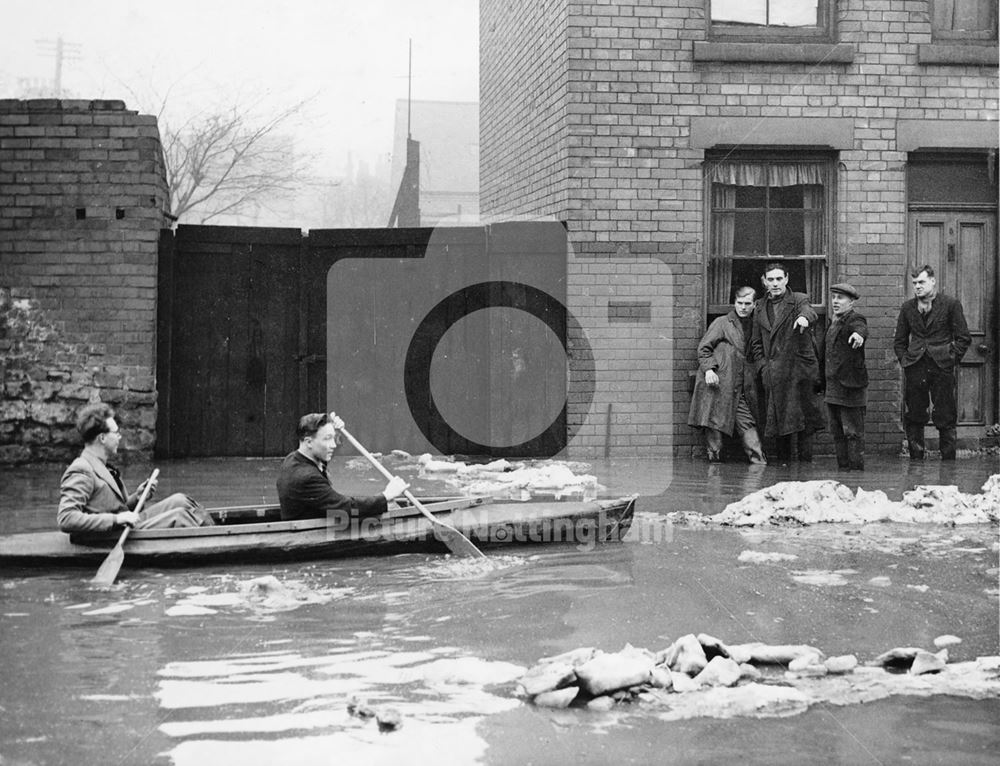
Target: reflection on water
(303, 701)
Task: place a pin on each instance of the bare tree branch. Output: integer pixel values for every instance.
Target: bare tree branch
(223, 162)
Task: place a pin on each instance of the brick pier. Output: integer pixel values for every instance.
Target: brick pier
(82, 199)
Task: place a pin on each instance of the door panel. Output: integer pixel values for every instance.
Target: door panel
(929, 244)
(228, 377)
(961, 247)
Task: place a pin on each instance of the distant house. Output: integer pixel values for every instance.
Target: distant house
(448, 134)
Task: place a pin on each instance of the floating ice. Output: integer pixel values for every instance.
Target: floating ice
(760, 557)
(113, 609)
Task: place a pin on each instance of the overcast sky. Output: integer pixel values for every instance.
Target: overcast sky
(352, 56)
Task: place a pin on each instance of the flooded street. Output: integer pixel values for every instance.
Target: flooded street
(193, 666)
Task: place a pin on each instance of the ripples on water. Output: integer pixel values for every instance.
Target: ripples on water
(203, 667)
(288, 702)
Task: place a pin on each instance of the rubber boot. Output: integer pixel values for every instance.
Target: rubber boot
(948, 438)
(840, 449)
(713, 444)
(783, 448)
(915, 441)
(855, 454)
(805, 446)
(752, 447)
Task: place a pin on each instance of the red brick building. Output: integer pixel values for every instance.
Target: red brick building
(686, 142)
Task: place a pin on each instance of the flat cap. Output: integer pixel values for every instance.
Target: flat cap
(847, 289)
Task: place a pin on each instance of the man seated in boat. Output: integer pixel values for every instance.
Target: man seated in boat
(92, 496)
(304, 488)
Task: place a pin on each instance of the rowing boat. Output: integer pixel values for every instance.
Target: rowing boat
(256, 534)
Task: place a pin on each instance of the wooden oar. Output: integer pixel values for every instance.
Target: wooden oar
(457, 543)
(113, 563)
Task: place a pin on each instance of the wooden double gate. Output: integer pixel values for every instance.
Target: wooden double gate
(257, 326)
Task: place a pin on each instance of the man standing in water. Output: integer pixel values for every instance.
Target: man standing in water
(724, 394)
(846, 377)
(931, 339)
(92, 496)
(304, 488)
(782, 343)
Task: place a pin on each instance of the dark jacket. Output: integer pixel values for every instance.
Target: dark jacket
(304, 492)
(941, 333)
(789, 369)
(845, 375)
(721, 349)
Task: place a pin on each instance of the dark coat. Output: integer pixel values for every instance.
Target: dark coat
(304, 492)
(843, 369)
(942, 333)
(789, 369)
(721, 349)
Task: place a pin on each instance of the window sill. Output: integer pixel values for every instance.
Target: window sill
(781, 53)
(957, 54)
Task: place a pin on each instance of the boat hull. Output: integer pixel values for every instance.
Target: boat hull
(487, 524)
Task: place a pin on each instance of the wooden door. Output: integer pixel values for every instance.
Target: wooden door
(961, 247)
(228, 340)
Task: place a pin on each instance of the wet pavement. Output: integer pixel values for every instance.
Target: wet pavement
(180, 667)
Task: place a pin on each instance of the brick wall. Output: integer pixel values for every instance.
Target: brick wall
(523, 144)
(82, 195)
(632, 185)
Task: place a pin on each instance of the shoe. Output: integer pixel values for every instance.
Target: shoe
(948, 438)
(805, 447)
(840, 449)
(783, 449)
(855, 454)
(915, 441)
(752, 447)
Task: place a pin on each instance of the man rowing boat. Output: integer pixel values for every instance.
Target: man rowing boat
(92, 495)
(304, 488)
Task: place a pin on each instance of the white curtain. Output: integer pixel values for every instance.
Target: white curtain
(766, 174)
(723, 231)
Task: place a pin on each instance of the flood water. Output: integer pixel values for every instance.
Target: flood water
(190, 667)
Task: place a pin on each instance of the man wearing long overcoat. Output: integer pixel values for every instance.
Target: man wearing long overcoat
(782, 346)
(724, 393)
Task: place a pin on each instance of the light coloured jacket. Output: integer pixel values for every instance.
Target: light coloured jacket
(89, 496)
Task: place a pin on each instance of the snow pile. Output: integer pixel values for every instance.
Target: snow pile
(813, 502)
(699, 675)
(517, 481)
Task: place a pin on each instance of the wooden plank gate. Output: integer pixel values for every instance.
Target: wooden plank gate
(390, 327)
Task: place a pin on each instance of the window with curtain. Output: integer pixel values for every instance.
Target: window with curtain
(964, 20)
(776, 20)
(765, 211)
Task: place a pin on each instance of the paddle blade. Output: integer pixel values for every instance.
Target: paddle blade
(113, 563)
(457, 543)
(108, 572)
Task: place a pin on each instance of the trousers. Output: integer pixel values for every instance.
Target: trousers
(924, 383)
(177, 510)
